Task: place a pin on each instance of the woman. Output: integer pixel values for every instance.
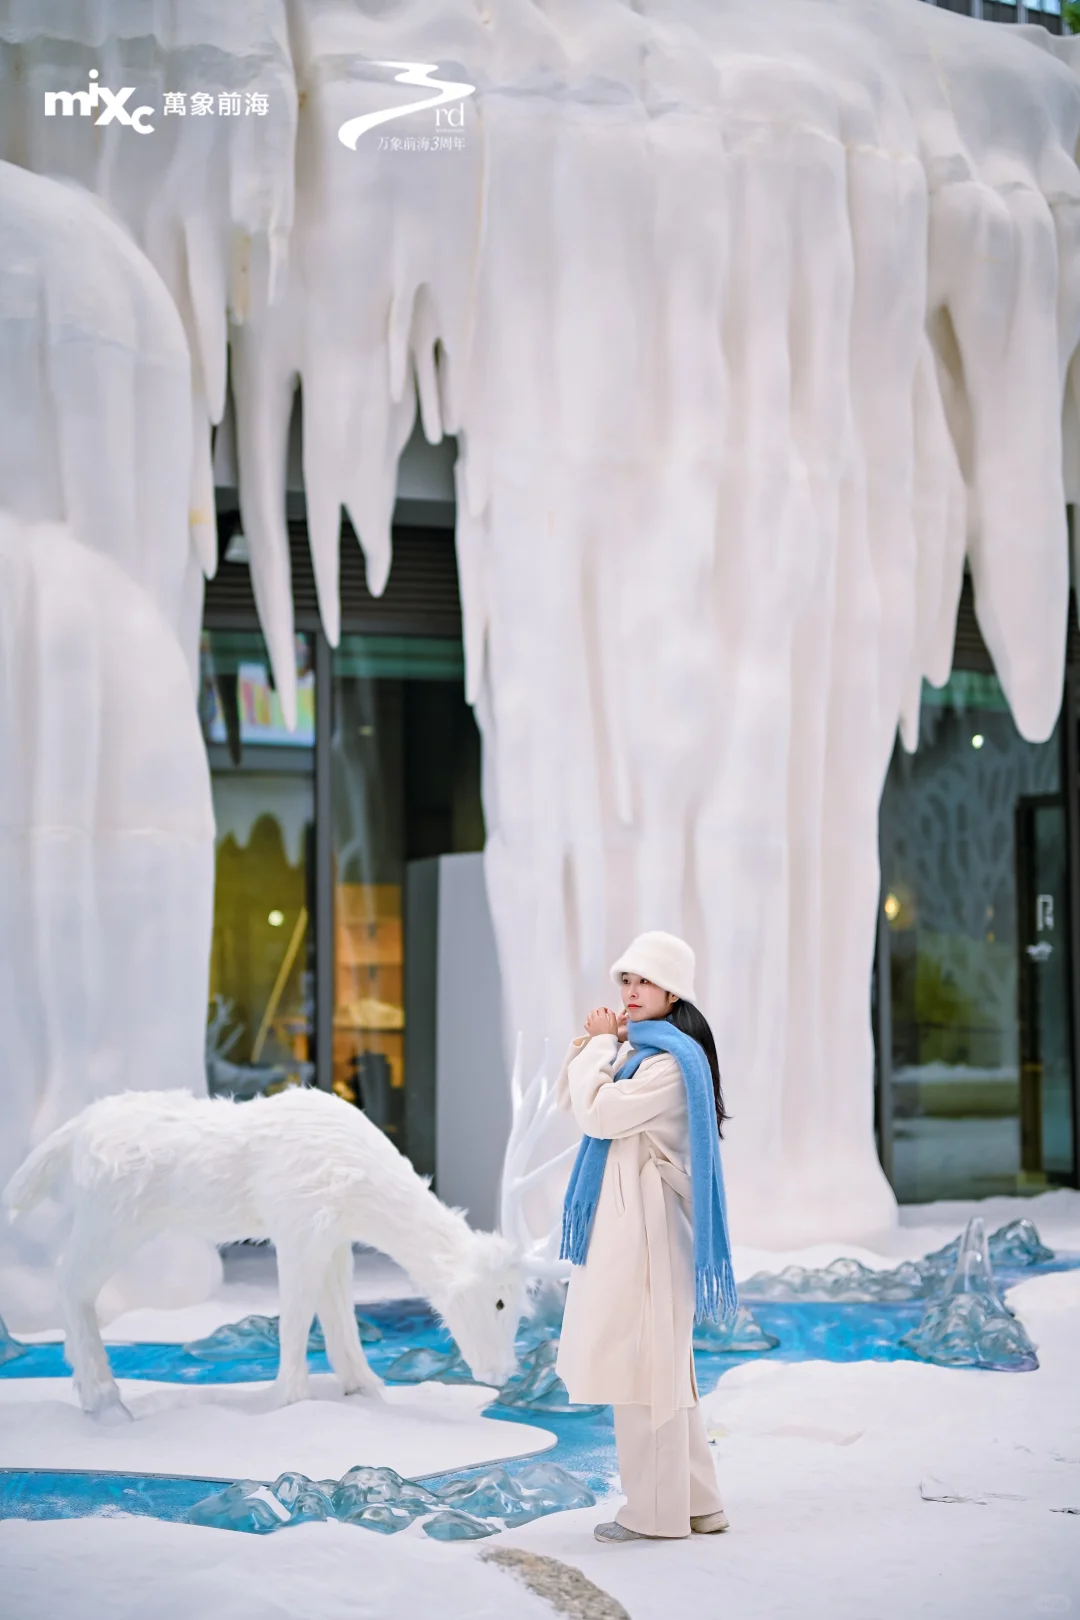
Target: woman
(645, 1224)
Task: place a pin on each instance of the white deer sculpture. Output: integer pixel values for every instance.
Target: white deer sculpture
(302, 1168)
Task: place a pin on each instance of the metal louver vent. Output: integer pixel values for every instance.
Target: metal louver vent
(970, 650)
(421, 596)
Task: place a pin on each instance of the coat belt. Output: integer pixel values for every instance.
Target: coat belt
(677, 1179)
(655, 1172)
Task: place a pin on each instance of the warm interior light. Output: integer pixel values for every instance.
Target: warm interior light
(892, 907)
(276, 918)
(978, 740)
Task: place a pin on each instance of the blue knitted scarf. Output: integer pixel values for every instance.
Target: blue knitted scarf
(714, 1279)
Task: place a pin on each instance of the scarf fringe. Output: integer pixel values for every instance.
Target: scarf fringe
(576, 1226)
(716, 1294)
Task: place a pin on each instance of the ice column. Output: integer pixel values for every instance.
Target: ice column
(106, 854)
(106, 824)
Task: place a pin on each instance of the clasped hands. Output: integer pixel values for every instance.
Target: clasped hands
(602, 1021)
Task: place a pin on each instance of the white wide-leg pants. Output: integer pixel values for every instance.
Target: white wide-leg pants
(667, 1474)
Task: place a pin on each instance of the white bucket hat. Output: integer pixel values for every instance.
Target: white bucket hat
(664, 958)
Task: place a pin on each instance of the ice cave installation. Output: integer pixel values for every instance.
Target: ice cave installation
(751, 323)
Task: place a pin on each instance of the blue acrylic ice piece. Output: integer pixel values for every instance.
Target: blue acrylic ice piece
(245, 1505)
(537, 1387)
(967, 1330)
(741, 1335)
(368, 1331)
(547, 1488)
(844, 1281)
(1018, 1245)
(254, 1338)
(1015, 1246)
(385, 1518)
(513, 1499)
(424, 1363)
(376, 1499)
(543, 1315)
(10, 1349)
(304, 1499)
(380, 1499)
(968, 1324)
(491, 1495)
(452, 1526)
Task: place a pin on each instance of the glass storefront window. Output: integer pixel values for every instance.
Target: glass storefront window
(976, 1085)
(260, 1029)
(406, 784)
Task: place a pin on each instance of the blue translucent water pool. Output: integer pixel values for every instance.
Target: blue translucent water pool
(585, 1442)
(805, 1330)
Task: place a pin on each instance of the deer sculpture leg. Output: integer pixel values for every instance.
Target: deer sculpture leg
(338, 1320)
(300, 1272)
(93, 1253)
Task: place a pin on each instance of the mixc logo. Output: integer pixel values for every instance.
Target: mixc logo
(412, 73)
(112, 101)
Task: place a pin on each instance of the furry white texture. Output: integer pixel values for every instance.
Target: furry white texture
(302, 1168)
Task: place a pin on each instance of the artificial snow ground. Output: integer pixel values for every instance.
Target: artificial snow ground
(829, 1473)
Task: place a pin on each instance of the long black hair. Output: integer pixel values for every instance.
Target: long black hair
(685, 1016)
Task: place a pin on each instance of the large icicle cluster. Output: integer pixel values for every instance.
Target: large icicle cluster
(751, 322)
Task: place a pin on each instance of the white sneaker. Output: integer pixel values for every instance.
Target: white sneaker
(614, 1531)
(708, 1524)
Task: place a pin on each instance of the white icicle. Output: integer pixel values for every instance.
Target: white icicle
(208, 198)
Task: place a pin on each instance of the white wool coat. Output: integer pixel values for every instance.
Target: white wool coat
(628, 1328)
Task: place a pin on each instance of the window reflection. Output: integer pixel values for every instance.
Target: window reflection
(260, 1026)
(406, 784)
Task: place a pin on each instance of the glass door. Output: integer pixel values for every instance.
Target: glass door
(1045, 1080)
(972, 1000)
